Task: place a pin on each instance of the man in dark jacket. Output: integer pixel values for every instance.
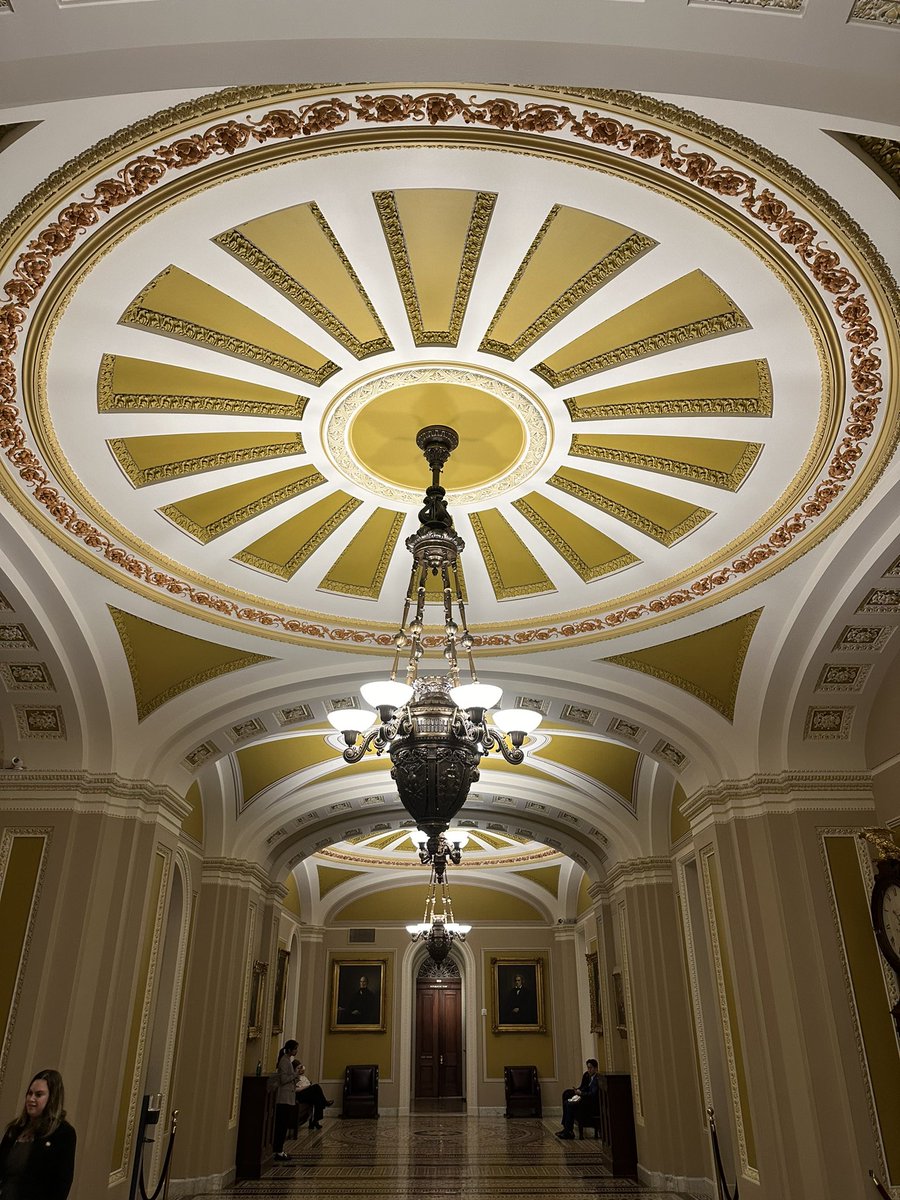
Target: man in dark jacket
(582, 1099)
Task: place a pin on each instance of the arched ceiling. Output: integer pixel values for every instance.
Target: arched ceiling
(670, 356)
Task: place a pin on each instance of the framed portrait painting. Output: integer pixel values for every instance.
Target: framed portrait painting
(593, 969)
(619, 994)
(517, 995)
(257, 991)
(359, 995)
(281, 968)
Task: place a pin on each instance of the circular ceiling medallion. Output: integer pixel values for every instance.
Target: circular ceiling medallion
(504, 433)
(692, 344)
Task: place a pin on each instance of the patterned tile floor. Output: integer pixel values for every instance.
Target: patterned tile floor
(432, 1157)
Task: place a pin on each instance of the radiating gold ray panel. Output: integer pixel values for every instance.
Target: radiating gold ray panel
(573, 254)
(690, 309)
(128, 385)
(715, 462)
(158, 457)
(661, 517)
(587, 551)
(178, 304)
(295, 250)
(512, 568)
(362, 565)
(283, 550)
(210, 514)
(435, 237)
(739, 389)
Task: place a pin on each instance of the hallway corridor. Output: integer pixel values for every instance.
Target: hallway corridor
(438, 1156)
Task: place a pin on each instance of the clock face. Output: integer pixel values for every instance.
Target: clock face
(890, 916)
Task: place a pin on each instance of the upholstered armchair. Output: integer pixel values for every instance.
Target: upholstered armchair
(360, 1091)
(523, 1091)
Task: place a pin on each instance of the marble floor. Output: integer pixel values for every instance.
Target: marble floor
(435, 1156)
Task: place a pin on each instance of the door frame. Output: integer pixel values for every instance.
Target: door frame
(409, 966)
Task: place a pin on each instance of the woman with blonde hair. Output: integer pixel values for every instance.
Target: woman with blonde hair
(37, 1153)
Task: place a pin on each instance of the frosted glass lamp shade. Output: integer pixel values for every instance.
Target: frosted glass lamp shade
(386, 693)
(476, 695)
(517, 720)
(457, 837)
(356, 719)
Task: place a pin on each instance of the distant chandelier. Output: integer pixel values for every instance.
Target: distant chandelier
(438, 930)
(434, 727)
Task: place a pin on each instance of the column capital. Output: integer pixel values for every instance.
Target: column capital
(236, 872)
(88, 792)
(653, 870)
(780, 793)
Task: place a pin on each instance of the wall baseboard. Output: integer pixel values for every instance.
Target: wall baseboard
(692, 1185)
(206, 1183)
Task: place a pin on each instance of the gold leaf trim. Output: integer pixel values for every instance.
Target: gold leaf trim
(289, 569)
(586, 572)
(243, 249)
(666, 537)
(501, 591)
(142, 476)
(111, 401)
(728, 480)
(622, 256)
(718, 406)
(207, 533)
(668, 339)
(373, 590)
(482, 210)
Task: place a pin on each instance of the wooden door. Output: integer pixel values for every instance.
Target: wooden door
(438, 1039)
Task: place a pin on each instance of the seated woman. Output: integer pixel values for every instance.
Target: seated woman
(310, 1094)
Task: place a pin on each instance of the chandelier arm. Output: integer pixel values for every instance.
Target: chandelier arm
(513, 754)
(375, 737)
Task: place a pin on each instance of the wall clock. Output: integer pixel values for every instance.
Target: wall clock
(886, 909)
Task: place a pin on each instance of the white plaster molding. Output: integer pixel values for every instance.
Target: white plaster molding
(691, 1185)
(236, 872)
(644, 872)
(202, 1184)
(85, 792)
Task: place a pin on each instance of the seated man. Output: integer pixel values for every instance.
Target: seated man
(582, 1099)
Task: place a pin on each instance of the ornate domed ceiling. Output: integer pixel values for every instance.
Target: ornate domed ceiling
(663, 351)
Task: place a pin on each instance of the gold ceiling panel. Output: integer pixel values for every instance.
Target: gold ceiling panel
(587, 551)
(295, 250)
(435, 237)
(708, 665)
(690, 309)
(127, 385)
(434, 586)
(713, 461)
(739, 389)
(159, 457)
(512, 568)
(573, 254)
(164, 663)
(210, 514)
(611, 765)
(178, 304)
(284, 549)
(363, 564)
(265, 763)
(663, 518)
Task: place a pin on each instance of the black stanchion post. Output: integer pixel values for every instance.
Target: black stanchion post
(150, 1107)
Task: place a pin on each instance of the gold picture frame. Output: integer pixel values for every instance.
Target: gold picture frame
(359, 995)
(280, 991)
(593, 970)
(517, 999)
(619, 995)
(257, 993)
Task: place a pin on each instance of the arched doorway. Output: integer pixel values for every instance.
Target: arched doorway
(439, 1071)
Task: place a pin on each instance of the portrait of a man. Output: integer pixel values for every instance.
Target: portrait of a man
(518, 998)
(357, 995)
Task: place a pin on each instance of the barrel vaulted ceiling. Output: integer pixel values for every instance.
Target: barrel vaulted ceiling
(670, 356)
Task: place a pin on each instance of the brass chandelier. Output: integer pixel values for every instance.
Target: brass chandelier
(434, 727)
(438, 928)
